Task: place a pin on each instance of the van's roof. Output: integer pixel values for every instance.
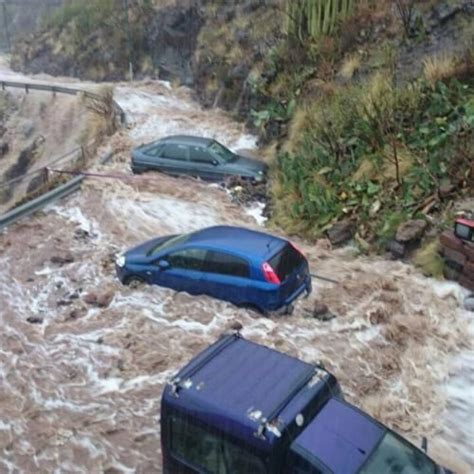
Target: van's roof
(241, 240)
(240, 381)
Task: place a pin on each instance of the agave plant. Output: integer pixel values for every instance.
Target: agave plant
(314, 18)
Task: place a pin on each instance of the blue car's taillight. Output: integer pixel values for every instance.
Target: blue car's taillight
(269, 274)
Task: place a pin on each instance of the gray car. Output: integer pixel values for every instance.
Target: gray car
(195, 156)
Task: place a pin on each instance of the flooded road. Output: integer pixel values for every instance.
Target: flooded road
(83, 359)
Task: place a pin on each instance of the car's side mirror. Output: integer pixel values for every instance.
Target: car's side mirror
(424, 444)
(163, 264)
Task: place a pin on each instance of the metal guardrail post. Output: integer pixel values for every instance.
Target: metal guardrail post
(73, 184)
(40, 202)
(63, 90)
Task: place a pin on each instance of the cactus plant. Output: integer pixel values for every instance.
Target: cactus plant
(313, 18)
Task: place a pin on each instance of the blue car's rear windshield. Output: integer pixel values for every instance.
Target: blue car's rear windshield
(169, 242)
(285, 262)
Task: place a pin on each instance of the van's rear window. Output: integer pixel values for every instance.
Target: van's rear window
(285, 262)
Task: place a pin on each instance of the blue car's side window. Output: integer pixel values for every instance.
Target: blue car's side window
(188, 259)
(226, 264)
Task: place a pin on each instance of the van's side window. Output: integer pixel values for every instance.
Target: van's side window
(296, 464)
(197, 447)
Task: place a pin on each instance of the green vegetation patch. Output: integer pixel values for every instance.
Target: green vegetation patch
(376, 153)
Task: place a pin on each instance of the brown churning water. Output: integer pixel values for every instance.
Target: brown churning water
(80, 391)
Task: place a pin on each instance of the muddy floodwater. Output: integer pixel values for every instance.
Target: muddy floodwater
(83, 359)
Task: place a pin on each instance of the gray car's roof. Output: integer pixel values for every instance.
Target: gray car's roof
(187, 139)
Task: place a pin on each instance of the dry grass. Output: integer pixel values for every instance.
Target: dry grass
(350, 66)
(440, 67)
(427, 258)
(102, 120)
(298, 126)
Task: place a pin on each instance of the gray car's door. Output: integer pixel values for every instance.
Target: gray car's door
(147, 158)
(174, 159)
(204, 164)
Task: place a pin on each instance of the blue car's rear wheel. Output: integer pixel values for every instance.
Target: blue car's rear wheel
(134, 281)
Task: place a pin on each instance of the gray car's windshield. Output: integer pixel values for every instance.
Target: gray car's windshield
(395, 456)
(169, 242)
(221, 151)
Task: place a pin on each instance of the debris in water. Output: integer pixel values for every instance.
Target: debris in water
(34, 320)
(469, 302)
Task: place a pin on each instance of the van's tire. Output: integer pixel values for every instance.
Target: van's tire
(134, 281)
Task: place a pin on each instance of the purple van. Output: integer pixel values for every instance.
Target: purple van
(240, 407)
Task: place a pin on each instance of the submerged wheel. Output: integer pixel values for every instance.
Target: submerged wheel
(252, 307)
(134, 281)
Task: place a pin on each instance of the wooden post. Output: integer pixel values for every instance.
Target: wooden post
(46, 175)
(83, 155)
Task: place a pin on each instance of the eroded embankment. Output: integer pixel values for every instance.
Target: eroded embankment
(35, 129)
(80, 390)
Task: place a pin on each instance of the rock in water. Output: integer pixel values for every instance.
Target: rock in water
(341, 232)
(469, 302)
(411, 230)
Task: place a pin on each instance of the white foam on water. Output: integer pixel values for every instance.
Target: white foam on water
(256, 211)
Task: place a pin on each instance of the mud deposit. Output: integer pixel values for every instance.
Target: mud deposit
(80, 383)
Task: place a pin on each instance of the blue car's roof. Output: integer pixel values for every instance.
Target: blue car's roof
(240, 240)
(340, 437)
(238, 383)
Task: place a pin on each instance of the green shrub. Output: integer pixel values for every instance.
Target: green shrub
(407, 139)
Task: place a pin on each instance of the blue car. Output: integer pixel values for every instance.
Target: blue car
(248, 268)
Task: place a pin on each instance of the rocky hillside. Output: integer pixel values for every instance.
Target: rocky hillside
(18, 18)
(96, 40)
(366, 108)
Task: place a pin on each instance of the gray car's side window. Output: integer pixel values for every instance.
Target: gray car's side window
(200, 155)
(154, 151)
(175, 152)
